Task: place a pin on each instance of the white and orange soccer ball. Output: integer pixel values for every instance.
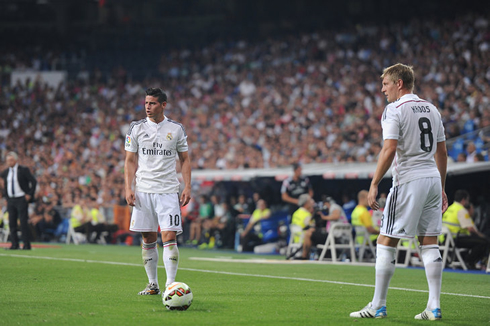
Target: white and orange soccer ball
(177, 296)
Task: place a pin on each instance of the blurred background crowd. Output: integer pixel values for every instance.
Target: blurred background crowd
(309, 96)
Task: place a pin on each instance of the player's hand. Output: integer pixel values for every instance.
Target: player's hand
(185, 197)
(130, 198)
(373, 193)
(444, 202)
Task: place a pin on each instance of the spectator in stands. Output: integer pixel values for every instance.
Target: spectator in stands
(462, 158)
(190, 213)
(252, 234)
(314, 236)
(471, 152)
(348, 206)
(458, 219)
(299, 101)
(221, 221)
(206, 212)
(293, 187)
(362, 217)
(99, 223)
(242, 206)
(302, 217)
(479, 158)
(221, 230)
(81, 218)
(45, 220)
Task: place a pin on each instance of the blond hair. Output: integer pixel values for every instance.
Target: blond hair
(403, 72)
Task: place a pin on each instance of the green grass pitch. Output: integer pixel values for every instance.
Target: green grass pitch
(98, 285)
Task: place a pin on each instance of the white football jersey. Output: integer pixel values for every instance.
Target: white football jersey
(157, 146)
(417, 126)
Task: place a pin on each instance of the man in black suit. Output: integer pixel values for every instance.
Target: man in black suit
(19, 188)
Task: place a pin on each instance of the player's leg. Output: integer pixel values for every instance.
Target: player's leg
(167, 207)
(400, 219)
(433, 264)
(385, 268)
(428, 229)
(170, 255)
(143, 220)
(150, 259)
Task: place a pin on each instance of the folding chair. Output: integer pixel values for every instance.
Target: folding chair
(339, 238)
(295, 244)
(363, 242)
(409, 248)
(449, 247)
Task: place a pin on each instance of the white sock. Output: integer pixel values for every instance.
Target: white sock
(171, 260)
(433, 271)
(150, 259)
(385, 268)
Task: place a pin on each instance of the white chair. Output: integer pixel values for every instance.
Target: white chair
(294, 247)
(410, 248)
(449, 247)
(339, 238)
(363, 242)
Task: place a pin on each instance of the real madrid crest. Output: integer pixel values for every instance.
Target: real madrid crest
(169, 136)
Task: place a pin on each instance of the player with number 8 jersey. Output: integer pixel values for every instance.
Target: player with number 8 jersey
(152, 187)
(416, 125)
(415, 146)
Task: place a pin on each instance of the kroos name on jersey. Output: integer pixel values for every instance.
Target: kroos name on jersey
(420, 109)
(152, 151)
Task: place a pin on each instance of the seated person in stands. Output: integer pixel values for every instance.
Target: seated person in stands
(81, 219)
(302, 217)
(458, 220)
(361, 216)
(206, 212)
(221, 229)
(99, 223)
(314, 236)
(252, 235)
(86, 218)
(45, 220)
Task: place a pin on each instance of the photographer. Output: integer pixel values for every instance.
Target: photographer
(314, 236)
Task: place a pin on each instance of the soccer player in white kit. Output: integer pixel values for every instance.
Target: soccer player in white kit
(414, 142)
(152, 145)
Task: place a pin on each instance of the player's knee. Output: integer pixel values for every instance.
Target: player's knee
(149, 237)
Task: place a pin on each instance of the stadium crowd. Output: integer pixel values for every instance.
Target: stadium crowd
(308, 98)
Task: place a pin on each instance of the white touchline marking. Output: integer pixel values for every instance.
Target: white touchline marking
(242, 274)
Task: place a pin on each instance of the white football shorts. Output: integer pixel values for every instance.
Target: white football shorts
(153, 210)
(413, 208)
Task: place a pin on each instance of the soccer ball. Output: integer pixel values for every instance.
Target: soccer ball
(177, 296)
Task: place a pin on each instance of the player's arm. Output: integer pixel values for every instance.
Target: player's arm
(130, 165)
(441, 161)
(185, 165)
(385, 159)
